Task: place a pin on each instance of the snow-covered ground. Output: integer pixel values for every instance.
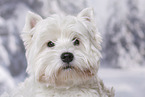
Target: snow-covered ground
(127, 82)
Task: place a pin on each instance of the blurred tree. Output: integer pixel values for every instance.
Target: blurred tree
(125, 35)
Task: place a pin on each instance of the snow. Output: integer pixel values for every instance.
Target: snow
(126, 82)
(5, 58)
(7, 82)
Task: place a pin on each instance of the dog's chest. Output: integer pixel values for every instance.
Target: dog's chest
(75, 92)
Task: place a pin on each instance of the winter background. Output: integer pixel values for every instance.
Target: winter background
(121, 23)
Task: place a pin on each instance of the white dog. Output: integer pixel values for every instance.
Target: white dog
(63, 54)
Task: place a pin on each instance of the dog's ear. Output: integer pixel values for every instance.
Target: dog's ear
(31, 20)
(87, 18)
(87, 14)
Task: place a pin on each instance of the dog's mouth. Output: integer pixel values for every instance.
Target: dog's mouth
(68, 67)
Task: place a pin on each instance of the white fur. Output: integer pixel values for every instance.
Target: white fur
(47, 78)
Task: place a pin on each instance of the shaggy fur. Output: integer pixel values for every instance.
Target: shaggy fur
(47, 76)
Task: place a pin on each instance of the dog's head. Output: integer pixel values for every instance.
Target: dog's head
(62, 50)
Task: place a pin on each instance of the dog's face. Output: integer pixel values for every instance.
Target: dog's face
(62, 50)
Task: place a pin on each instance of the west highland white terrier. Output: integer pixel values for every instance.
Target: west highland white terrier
(63, 55)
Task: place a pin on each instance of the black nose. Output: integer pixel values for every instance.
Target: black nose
(67, 57)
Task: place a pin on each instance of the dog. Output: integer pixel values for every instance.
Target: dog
(63, 56)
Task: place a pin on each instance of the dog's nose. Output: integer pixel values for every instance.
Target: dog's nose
(67, 57)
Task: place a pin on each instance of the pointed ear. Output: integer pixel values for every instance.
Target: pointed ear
(31, 20)
(87, 14)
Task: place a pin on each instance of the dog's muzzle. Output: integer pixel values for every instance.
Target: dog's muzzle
(67, 57)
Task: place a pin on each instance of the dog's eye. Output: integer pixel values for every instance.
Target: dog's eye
(76, 42)
(50, 44)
